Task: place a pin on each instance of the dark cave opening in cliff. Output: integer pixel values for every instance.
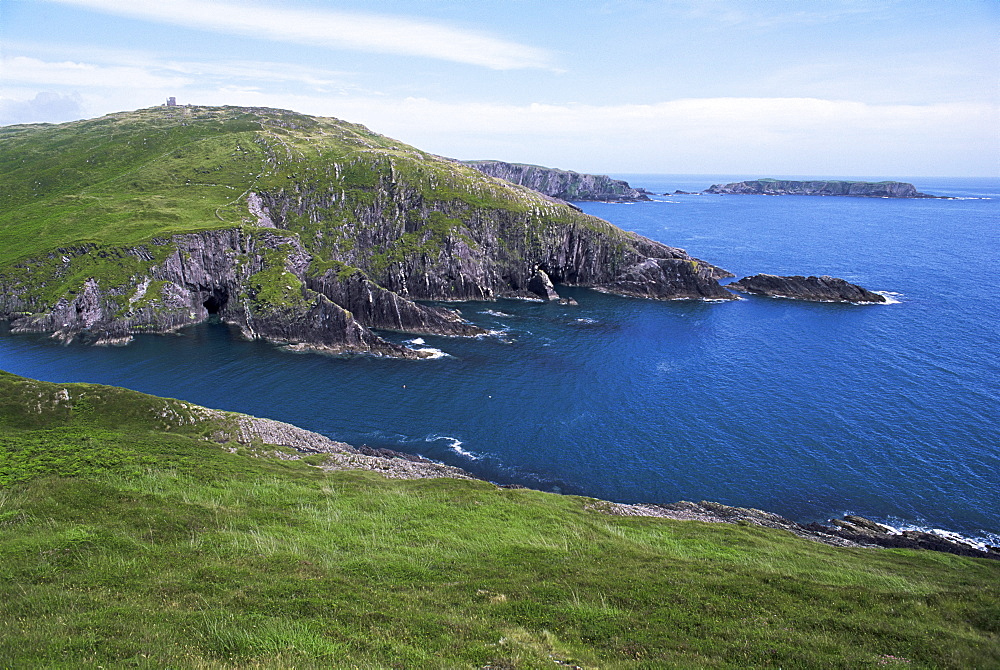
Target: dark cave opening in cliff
(216, 301)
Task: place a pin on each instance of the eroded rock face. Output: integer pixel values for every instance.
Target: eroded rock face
(562, 184)
(820, 289)
(667, 279)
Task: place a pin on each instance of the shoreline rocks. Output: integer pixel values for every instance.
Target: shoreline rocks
(797, 287)
(851, 531)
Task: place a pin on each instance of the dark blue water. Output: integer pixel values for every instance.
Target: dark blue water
(808, 410)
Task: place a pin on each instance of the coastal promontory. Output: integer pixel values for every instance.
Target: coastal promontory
(305, 231)
(562, 184)
(818, 289)
(859, 189)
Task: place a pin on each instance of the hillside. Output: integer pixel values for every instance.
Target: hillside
(300, 230)
(143, 532)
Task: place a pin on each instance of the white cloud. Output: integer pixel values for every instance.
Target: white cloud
(71, 73)
(768, 135)
(343, 30)
(45, 106)
(777, 135)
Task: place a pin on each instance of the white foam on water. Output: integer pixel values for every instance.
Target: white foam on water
(416, 340)
(976, 543)
(982, 541)
(891, 297)
(434, 353)
(454, 445)
(494, 312)
(586, 320)
(501, 335)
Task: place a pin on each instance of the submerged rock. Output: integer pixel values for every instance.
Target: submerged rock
(820, 289)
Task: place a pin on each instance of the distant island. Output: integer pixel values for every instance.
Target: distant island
(562, 184)
(857, 189)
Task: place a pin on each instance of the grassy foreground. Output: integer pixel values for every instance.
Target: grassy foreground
(130, 539)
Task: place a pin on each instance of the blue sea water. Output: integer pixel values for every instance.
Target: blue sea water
(809, 410)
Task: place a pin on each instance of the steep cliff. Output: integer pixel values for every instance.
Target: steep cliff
(861, 189)
(819, 289)
(562, 184)
(300, 230)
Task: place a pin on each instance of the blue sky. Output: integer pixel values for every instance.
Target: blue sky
(888, 88)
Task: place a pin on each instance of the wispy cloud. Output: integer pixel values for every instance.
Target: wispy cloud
(776, 13)
(342, 30)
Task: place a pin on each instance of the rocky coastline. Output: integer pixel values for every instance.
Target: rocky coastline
(850, 531)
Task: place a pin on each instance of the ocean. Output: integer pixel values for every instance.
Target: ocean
(809, 410)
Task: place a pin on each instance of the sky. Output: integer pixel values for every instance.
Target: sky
(836, 88)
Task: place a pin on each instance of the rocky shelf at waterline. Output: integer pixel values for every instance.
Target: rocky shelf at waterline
(305, 231)
(850, 531)
(859, 189)
(797, 287)
(562, 184)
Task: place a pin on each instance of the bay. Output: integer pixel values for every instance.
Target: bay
(805, 409)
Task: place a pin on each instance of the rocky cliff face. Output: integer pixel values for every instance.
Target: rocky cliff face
(337, 232)
(820, 289)
(252, 280)
(866, 189)
(562, 184)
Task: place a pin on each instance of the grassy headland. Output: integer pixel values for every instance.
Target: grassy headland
(131, 537)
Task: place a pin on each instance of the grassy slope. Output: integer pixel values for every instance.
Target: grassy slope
(127, 538)
(127, 177)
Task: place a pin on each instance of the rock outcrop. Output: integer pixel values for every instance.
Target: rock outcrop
(860, 189)
(820, 289)
(562, 184)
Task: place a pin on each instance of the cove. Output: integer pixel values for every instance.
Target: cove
(808, 410)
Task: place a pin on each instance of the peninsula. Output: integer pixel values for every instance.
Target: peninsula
(858, 189)
(304, 231)
(562, 184)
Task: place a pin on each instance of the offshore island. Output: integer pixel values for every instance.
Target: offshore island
(856, 189)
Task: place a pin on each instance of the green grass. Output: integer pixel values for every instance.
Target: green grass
(129, 538)
(126, 178)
